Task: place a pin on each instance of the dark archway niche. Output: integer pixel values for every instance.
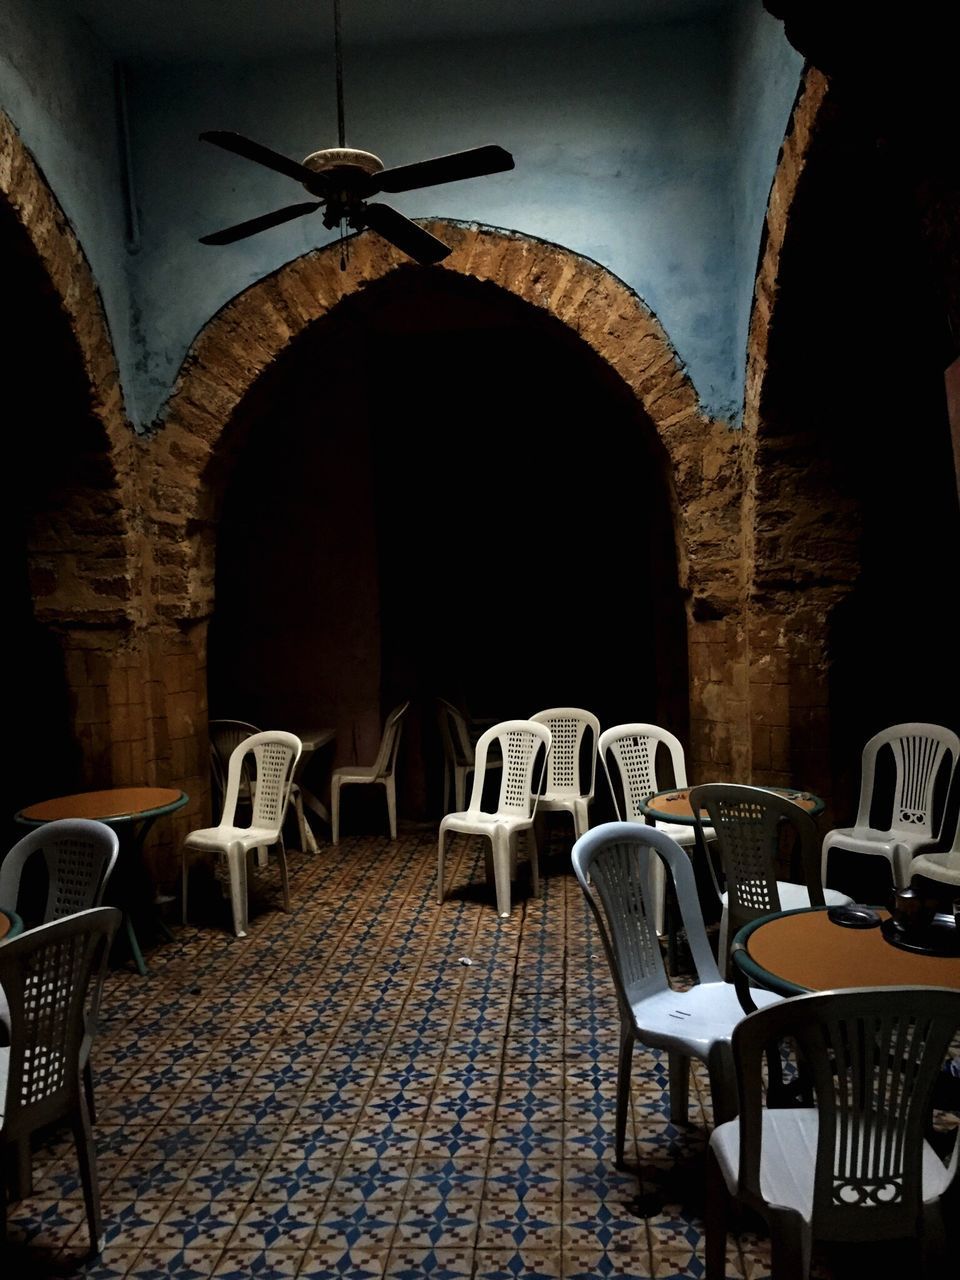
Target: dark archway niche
(52, 445)
(857, 515)
(439, 490)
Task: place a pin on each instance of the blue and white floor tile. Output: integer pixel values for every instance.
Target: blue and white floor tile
(338, 1097)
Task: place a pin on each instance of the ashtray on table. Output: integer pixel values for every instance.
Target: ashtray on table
(940, 937)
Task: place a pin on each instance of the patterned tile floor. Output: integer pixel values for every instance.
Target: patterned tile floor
(341, 1095)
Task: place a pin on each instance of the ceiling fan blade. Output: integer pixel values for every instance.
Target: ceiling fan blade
(429, 173)
(263, 223)
(406, 235)
(255, 151)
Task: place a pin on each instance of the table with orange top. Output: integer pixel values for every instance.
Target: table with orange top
(673, 805)
(792, 952)
(132, 811)
(10, 924)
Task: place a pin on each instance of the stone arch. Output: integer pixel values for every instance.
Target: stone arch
(829, 361)
(253, 329)
(75, 559)
(26, 192)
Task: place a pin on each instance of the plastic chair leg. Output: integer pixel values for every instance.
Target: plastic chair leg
(534, 855)
(440, 843)
(581, 818)
(87, 1160)
(460, 788)
(624, 1068)
(501, 874)
(237, 865)
(715, 1224)
(335, 811)
(391, 789)
(184, 879)
(88, 1091)
(284, 877)
(138, 959)
(790, 1246)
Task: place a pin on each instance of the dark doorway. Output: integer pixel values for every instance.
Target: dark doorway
(445, 493)
(46, 431)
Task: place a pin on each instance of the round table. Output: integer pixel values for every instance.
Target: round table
(10, 925)
(673, 804)
(132, 811)
(792, 952)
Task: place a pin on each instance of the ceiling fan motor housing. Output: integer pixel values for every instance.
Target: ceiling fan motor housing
(352, 162)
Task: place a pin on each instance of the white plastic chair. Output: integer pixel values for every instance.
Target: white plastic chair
(918, 753)
(747, 824)
(79, 855)
(617, 863)
(225, 735)
(633, 749)
(382, 772)
(856, 1166)
(519, 742)
(459, 755)
(275, 754)
(565, 790)
(46, 974)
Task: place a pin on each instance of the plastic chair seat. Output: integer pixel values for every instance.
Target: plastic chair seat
(212, 839)
(693, 1021)
(356, 773)
(944, 867)
(788, 1167)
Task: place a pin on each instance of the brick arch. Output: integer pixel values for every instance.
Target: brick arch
(79, 495)
(26, 192)
(252, 330)
(91, 544)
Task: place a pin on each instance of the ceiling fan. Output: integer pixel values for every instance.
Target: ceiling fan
(341, 180)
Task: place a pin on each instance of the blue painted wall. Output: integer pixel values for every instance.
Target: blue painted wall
(56, 85)
(649, 150)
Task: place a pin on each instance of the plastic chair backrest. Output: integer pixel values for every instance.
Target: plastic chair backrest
(275, 755)
(634, 748)
(874, 1055)
(79, 854)
(747, 823)
(45, 974)
(386, 759)
(519, 742)
(918, 751)
(457, 747)
(225, 736)
(614, 862)
(567, 727)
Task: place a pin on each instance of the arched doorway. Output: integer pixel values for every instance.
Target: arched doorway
(438, 490)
